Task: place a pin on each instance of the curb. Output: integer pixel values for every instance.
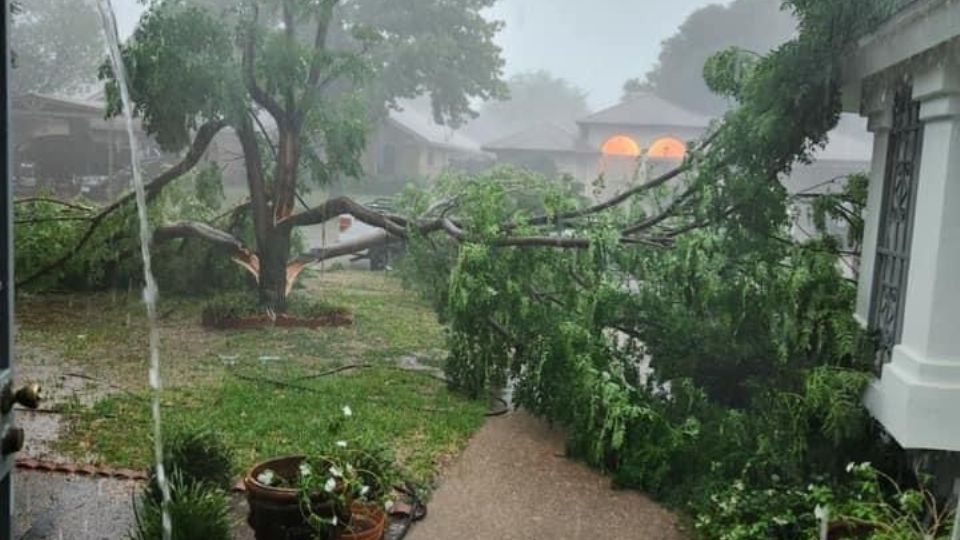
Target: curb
(81, 470)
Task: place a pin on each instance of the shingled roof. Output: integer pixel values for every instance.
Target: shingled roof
(545, 137)
(430, 132)
(647, 110)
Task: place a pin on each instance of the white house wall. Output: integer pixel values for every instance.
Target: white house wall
(918, 393)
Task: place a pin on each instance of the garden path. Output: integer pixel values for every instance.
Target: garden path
(513, 482)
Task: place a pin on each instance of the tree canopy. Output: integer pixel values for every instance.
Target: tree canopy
(297, 82)
(534, 97)
(757, 26)
(58, 45)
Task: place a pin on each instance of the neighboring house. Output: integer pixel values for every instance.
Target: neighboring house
(66, 146)
(620, 145)
(905, 78)
(639, 139)
(408, 145)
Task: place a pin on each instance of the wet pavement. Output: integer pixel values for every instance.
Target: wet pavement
(59, 506)
(52, 506)
(513, 483)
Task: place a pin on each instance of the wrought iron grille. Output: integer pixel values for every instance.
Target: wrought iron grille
(896, 223)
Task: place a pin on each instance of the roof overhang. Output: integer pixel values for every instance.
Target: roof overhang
(922, 26)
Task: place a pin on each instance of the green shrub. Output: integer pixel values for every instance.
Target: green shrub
(201, 456)
(302, 306)
(231, 306)
(197, 457)
(198, 511)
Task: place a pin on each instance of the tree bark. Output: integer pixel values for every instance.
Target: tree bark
(273, 270)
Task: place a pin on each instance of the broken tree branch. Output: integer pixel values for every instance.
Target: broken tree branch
(200, 143)
(51, 200)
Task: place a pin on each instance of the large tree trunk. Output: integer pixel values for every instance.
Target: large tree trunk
(274, 254)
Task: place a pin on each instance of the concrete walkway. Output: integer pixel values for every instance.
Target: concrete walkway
(513, 483)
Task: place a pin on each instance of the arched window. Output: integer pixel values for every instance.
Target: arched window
(620, 145)
(667, 148)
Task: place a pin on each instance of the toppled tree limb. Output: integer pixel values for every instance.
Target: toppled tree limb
(202, 140)
(192, 229)
(28, 221)
(332, 208)
(51, 200)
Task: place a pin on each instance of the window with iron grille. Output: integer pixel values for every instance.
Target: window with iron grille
(896, 223)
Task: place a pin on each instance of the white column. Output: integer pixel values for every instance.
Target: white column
(918, 395)
(879, 111)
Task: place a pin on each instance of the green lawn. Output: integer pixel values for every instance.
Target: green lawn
(228, 380)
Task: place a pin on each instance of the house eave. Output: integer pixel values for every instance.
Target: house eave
(920, 27)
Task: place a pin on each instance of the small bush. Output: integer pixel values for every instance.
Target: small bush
(309, 308)
(197, 457)
(228, 307)
(198, 511)
(201, 456)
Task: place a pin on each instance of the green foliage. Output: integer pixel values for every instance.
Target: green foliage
(349, 471)
(46, 230)
(722, 370)
(231, 306)
(749, 25)
(535, 97)
(888, 511)
(58, 45)
(847, 207)
(201, 457)
(181, 68)
(867, 505)
(197, 512)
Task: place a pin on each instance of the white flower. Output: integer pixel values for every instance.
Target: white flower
(334, 520)
(364, 490)
(266, 477)
(850, 466)
(349, 468)
(820, 512)
(305, 469)
(335, 471)
(342, 444)
(388, 505)
(347, 411)
(330, 485)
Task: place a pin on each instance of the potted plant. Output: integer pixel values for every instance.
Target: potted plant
(340, 493)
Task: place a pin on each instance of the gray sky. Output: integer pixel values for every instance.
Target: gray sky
(596, 44)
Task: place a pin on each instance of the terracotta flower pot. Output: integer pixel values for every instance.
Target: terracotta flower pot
(845, 530)
(276, 512)
(367, 522)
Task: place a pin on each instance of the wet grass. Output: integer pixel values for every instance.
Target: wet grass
(227, 380)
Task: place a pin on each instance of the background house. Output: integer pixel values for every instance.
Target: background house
(621, 144)
(647, 136)
(408, 145)
(65, 146)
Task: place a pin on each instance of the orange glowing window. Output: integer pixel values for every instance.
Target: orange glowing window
(668, 148)
(621, 145)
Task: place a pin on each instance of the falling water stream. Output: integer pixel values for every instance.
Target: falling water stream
(109, 23)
